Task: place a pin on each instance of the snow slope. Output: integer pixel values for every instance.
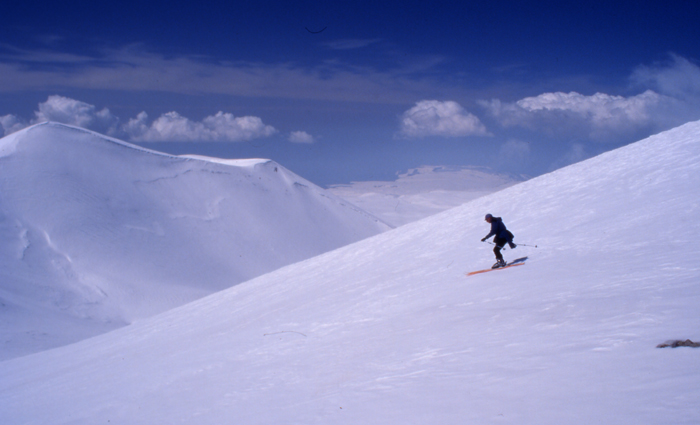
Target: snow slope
(389, 330)
(423, 191)
(96, 233)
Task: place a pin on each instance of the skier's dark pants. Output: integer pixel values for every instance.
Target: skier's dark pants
(500, 243)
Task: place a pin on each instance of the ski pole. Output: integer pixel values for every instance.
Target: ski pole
(491, 243)
(517, 244)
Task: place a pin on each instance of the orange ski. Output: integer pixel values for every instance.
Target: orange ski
(493, 270)
(518, 262)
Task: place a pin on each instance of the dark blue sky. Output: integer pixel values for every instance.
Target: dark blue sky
(340, 91)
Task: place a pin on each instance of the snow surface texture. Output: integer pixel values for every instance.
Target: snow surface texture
(423, 191)
(389, 330)
(96, 233)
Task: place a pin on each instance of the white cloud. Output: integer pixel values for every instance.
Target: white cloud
(11, 123)
(301, 137)
(671, 97)
(137, 127)
(679, 78)
(174, 127)
(168, 127)
(445, 119)
(66, 111)
(74, 112)
(600, 115)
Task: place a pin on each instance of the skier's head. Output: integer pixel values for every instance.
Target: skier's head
(488, 217)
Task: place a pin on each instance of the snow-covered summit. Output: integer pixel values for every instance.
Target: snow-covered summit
(423, 191)
(389, 330)
(96, 232)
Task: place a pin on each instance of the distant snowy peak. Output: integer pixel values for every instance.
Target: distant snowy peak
(94, 230)
(447, 173)
(433, 178)
(53, 135)
(423, 191)
(9, 143)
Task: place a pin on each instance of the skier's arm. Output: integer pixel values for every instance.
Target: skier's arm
(491, 233)
(494, 230)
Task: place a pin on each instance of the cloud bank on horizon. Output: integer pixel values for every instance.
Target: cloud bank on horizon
(670, 95)
(171, 126)
(404, 113)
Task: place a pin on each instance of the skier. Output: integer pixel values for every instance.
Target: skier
(502, 236)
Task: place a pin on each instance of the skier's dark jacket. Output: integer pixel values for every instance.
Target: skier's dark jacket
(499, 229)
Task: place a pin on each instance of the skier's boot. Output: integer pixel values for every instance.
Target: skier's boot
(499, 263)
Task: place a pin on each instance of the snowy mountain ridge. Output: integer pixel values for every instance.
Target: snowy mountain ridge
(423, 191)
(389, 330)
(96, 232)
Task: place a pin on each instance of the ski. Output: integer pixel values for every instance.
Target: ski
(518, 262)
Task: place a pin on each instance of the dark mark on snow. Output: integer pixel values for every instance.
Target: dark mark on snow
(678, 343)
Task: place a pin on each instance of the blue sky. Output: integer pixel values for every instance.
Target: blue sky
(343, 91)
